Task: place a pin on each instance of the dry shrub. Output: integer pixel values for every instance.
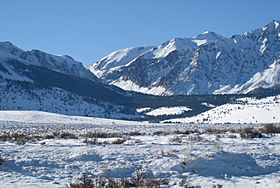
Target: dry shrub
(91, 141)
(175, 140)
(195, 138)
(231, 136)
(95, 141)
(5, 137)
(214, 131)
(135, 133)
(217, 186)
(21, 138)
(183, 132)
(269, 129)
(249, 133)
(161, 133)
(2, 160)
(67, 135)
(83, 182)
(119, 141)
(49, 137)
(101, 135)
(139, 181)
(18, 138)
(186, 183)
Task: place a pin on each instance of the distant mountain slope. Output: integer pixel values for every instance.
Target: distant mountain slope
(63, 64)
(18, 95)
(35, 80)
(206, 64)
(50, 83)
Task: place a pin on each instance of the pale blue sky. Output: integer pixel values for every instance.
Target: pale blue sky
(90, 29)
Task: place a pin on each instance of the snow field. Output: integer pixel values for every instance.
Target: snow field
(203, 159)
(247, 110)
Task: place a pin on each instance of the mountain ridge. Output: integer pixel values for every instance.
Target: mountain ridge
(205, 64)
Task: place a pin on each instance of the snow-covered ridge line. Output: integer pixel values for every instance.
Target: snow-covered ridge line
(205, 64)
(59, 63)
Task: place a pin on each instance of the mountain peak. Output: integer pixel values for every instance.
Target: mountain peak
(68, 57)
(272, 26)
(10, 48)
(209, 36)
(180, 66)
(181, 43)
(276, 23)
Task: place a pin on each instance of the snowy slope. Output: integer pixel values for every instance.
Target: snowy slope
(35, 80)
(30, 116)
(246, 110)
(205, 64)
(63, 64)
(23, 96)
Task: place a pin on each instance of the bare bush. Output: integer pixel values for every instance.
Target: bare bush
(269, 129)
(139, 181)
(161, 133)
(83, 182)
(101, 135)
(21, 138)
(214, 131)
(250, 133)
(5, 137)
(183, 132)
(231, 136)
(91, 141)
(135, 133)
(175, 139)
(185, 183)
(217, 186)
(2, 160)
(195, 138)
(67, 135)
(49, 137)
(95, 141)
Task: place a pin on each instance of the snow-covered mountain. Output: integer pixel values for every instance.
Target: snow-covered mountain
(205, 64)
(35, 80)
(63, 64)
(18, 95)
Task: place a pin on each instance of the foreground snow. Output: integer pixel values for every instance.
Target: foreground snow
(202, 159)
(246, 110)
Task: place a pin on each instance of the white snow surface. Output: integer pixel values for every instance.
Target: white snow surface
(31, 116)
(168, 111)
(204, 160)
(131, 86)
(248, 110)
(143, 109)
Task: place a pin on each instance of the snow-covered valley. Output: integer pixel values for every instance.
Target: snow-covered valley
(49, 150)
